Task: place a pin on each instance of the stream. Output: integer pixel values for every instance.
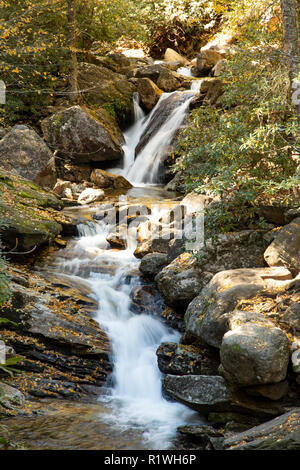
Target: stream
(131, 411)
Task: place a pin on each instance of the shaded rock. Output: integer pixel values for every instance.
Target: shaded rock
(90, 195)
(254, 354)
(23, 152)
(176, 183)
(285, 249)
(74, 173)
(48, 176)
(215, 90)
(173, 56)
(83, 136)
(207, 394)
(181, 359)
(281, 433)
(150, 71)
(168, 82)
(152, 263)
(103, 179)
(177, 359)
(271, 391)
(149, 93)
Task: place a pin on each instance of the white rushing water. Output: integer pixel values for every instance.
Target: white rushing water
(135, 396)
(144, 167)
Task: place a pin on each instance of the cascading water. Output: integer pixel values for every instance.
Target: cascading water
(135, 395)
(142, 166)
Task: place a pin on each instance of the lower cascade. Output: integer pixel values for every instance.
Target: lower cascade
(135, 392)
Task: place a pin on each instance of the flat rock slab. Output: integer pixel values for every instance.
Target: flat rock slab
(282, 433)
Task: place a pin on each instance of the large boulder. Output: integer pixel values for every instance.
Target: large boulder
(184, 278)
(255, 353)
(83, 136)
(149, 93)
(211, 394)
(11, 400)
(110, 90)
(23, 152)
(285, 248)
(207, 316)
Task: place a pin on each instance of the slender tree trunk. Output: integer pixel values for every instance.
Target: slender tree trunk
(73, 71)
(291, 47)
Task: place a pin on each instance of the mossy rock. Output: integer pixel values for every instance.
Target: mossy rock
(107, 89)
(29, 215)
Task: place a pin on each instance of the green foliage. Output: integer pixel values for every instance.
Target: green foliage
(245, 150)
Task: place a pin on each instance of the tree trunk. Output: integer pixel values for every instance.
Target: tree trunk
(73, 71)
(291, 47)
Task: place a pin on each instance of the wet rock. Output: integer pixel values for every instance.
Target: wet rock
(285, 249)
(173, 56)
(281, 433)
(176, 183)
(254, 354)
(103, 179)
(149, 93)
(207, 315)
(152, 263)
(83, 136)
(90, 195)
(207, 437)
(74, 173)
(23, 152)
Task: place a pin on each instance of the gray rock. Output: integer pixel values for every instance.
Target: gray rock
(180, 281)
(208, 394)
(202, 393)
(177, 359)
(83, 137)
(285, 249)
(281, 433)
(10, 398)
(254, 354)
(167, 81)
(152, 263)
(23, 152)
(207, 315)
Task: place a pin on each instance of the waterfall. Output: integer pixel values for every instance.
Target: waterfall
(142, 163)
